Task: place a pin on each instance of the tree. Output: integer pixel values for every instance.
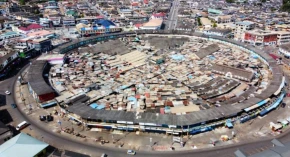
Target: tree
(22, 2)
(36, 11)
(230, 1)
(214, 25)
(286, 5)
(198, 21)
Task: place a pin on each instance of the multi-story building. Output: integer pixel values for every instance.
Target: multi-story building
(98, 27)
(68, 21)
(284, 49)
(282, 37)
(260, 38)
(241, 28)
(222, 18)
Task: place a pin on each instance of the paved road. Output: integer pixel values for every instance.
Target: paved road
(70, 144)
(172, 18)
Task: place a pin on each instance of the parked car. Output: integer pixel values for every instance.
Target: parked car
(131, 152)
(14, 105)
(42, 118)
(49, 118)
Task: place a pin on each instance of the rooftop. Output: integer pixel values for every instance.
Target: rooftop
(22, 144)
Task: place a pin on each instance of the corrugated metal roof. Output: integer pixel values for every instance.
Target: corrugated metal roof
(22, 144)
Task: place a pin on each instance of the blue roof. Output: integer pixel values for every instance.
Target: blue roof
(22, 145)
(105, 23)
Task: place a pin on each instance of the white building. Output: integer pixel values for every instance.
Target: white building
(241, 28)
(283, 37)
(68, 21)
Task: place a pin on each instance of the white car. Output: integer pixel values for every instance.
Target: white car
(7, 92)
(131, 152)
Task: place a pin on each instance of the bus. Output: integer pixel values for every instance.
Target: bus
(22, 125)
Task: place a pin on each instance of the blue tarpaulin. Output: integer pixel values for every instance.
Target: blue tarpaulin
(94, 105)
(177, 57)
(97, 106)
(196, 131)
(229, 123)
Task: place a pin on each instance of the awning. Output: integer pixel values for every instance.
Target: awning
(276, 104)
(281, 86)
(259, 104)
(48, 104)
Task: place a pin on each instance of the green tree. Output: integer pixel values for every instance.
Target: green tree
(198, 21)
(230, 1)
(22, 2)
(214, 25)
(286, 5)
(36, 11)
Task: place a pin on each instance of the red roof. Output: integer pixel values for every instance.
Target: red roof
(34, 26)
(159, 15)
(135, 4)
(100, 17)
(145, 1)
(30, 27)
(138, 25)
(23, 28)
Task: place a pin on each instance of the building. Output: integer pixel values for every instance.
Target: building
(5, 133)
(23, 145)
(260, 37)
(215, 11)
(2, 21)
(158, 16)
(218, 32)
(99, 27)
(282, 37)
(27, 29)
(55, 20)
(222, 18)
(6, 60)
(284, 49)
(68, 21)
(241, 28)
(42, 44)
(154, 24)
(37, 85)
(9, 35)
(44, 22)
